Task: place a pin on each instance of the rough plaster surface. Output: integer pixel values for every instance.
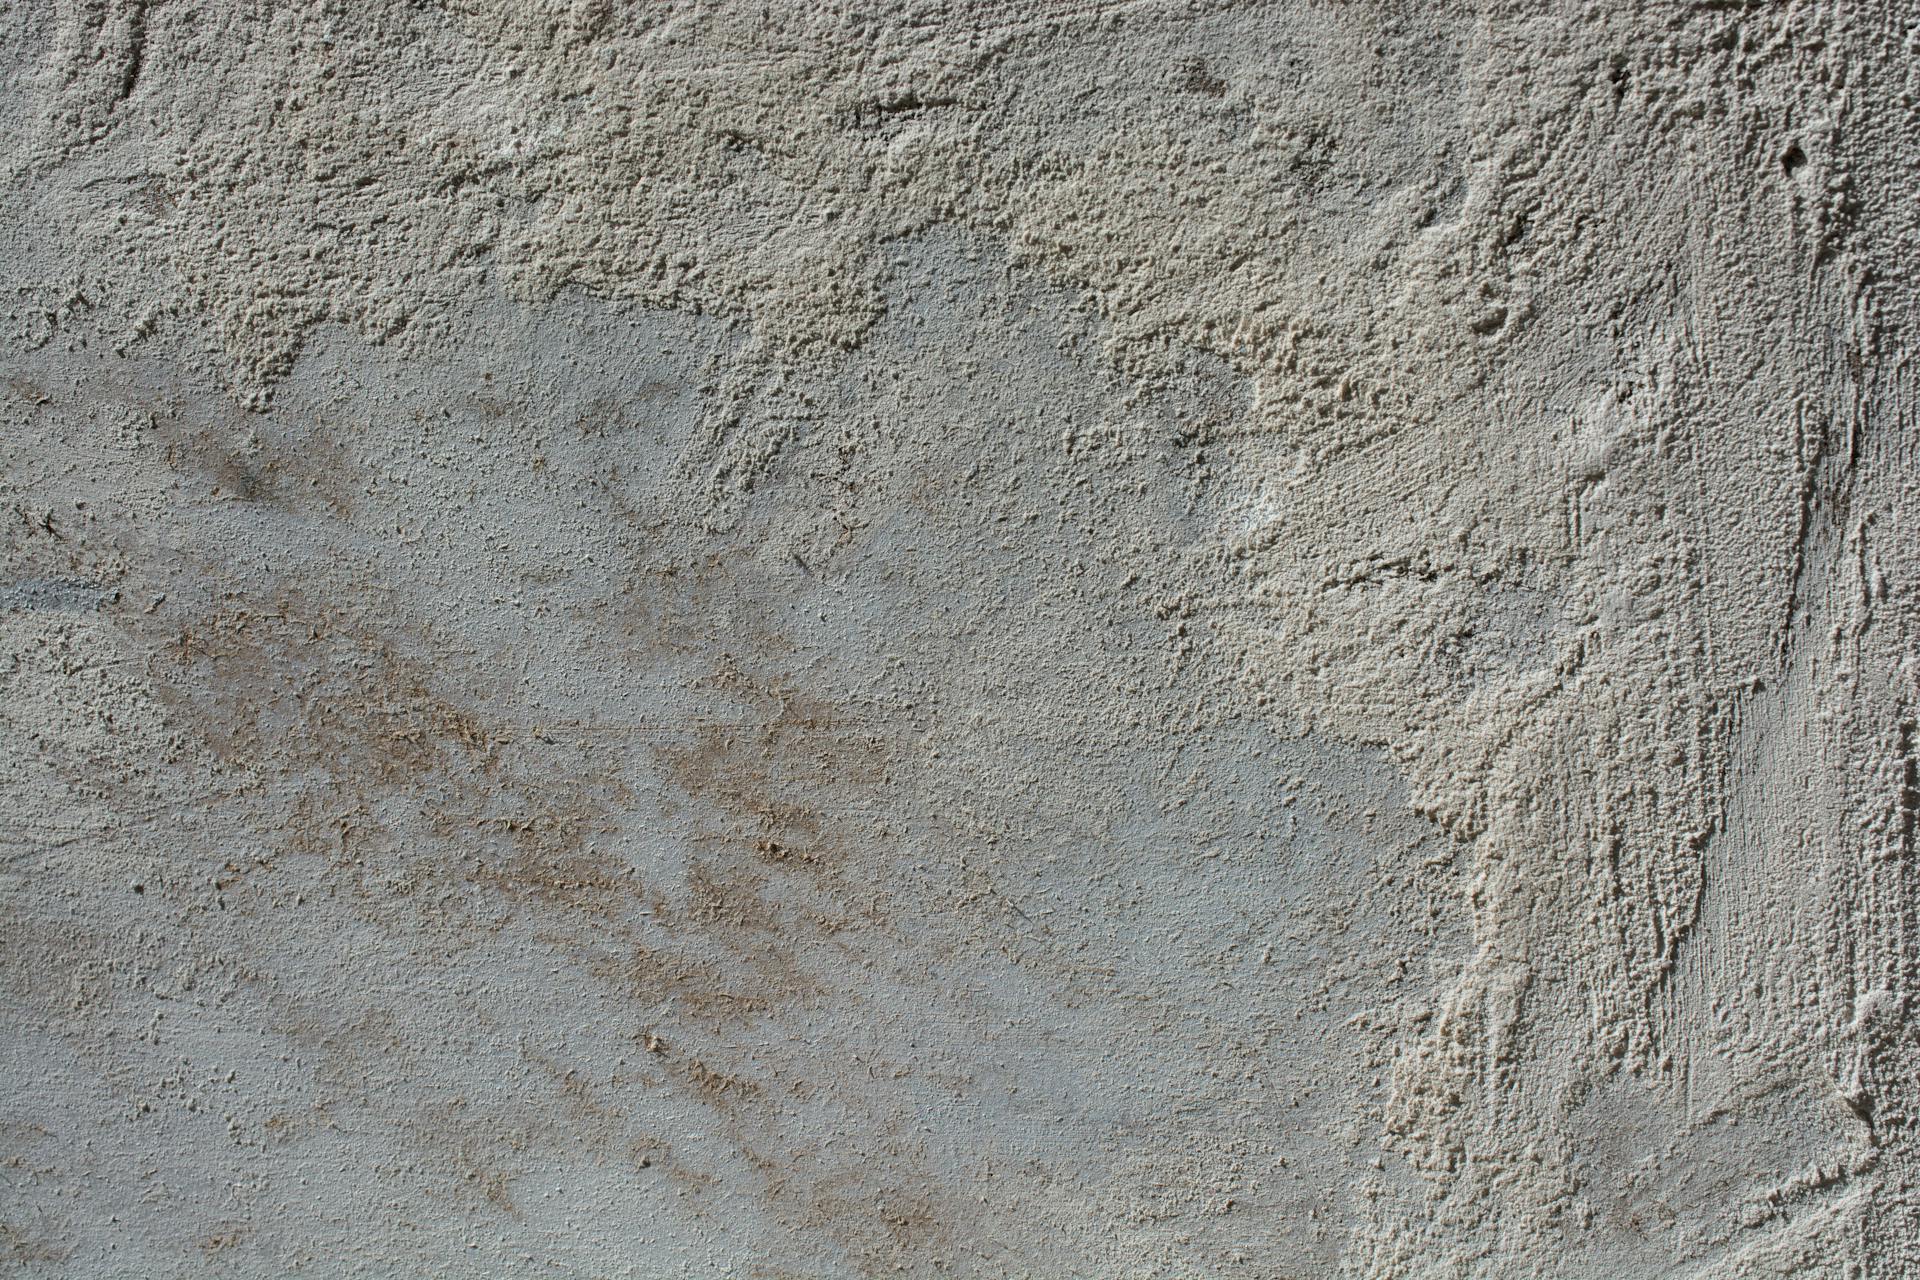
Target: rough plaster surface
(1145, 639)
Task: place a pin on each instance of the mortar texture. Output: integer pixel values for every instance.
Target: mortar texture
(1087, 638)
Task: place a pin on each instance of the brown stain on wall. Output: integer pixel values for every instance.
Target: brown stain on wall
(288, 681)
(227, 454)
(403, 791)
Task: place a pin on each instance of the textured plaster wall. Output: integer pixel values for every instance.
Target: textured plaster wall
(785, 640)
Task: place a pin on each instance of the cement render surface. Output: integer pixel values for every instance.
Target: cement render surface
(1141, 640)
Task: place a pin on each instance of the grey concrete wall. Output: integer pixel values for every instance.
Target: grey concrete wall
(1112, 640)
